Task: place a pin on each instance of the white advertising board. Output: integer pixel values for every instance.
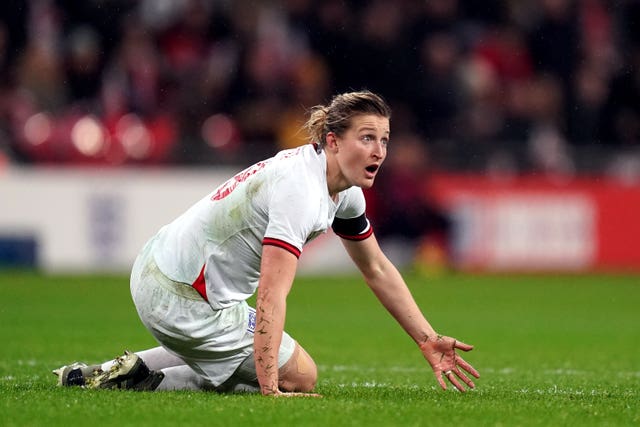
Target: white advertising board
(86, 220)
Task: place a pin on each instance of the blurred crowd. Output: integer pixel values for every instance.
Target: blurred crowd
(504, 86)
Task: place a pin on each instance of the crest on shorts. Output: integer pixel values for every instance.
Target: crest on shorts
(251, 325)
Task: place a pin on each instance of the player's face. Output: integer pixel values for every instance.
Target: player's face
(362, 149)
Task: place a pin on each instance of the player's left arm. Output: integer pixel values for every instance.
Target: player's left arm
(387, 284)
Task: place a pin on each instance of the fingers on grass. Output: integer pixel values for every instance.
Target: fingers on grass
(464, 378)
(297, 394)
(467, 367)
(452, 378)
(441, 381)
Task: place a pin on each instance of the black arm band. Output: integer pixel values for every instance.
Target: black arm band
(352, 228)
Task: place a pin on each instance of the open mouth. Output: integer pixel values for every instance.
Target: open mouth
(372, 168)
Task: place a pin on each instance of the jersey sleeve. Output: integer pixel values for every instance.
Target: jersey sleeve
(351, 222)
(292, 215)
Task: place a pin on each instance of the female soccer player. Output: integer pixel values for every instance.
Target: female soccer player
(191, 281)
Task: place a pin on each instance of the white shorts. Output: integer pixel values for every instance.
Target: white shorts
(214, 343)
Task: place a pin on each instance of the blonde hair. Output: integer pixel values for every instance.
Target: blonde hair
(336, 117)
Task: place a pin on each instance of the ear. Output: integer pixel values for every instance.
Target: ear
(331, 141)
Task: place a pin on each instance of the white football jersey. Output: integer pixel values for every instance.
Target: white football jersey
(216, 245)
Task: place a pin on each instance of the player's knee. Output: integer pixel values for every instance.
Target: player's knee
(300, 373)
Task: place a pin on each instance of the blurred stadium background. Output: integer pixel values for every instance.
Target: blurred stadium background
(515, 135)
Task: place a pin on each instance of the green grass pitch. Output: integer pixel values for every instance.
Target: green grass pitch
(552, 351)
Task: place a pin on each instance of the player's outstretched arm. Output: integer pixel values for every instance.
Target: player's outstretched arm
(387, 284)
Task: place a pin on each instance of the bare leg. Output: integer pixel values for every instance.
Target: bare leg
(299, 373)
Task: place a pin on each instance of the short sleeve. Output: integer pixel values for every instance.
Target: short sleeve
(351, 222)
(292, 214)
